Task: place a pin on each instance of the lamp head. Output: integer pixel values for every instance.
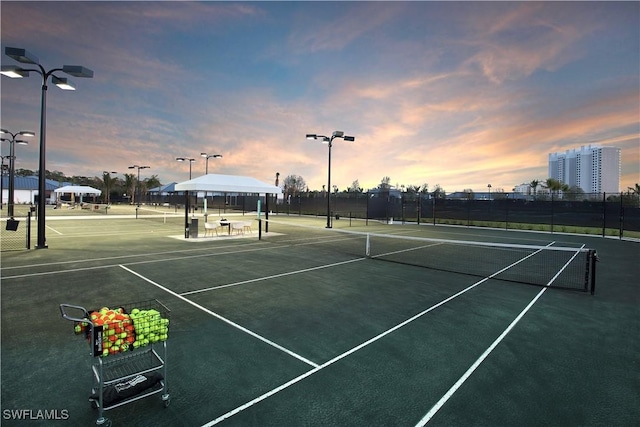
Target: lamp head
(26, 133)
(349, 138)
(21, 55)
(338, 134)
(77, 71)
(22, 142)
(63, 83)
(13, 71)
(312, 136)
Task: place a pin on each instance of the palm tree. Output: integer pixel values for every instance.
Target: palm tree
(107, 185)
(555, 186)
(130, 186)
(534, 184)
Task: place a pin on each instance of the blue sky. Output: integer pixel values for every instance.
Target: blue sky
(459, 94)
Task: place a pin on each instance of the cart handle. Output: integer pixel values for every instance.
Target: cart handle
(64, 307)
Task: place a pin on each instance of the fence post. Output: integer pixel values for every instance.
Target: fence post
(29, 229)
(434, 211)
(552, 212)
(604, 213)
(621, 221)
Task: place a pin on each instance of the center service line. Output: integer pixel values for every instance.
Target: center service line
(216, 315)
(360, 346)
(488, 351)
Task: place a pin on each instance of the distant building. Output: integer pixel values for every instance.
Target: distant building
(594, 169)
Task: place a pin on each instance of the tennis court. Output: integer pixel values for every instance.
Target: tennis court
(302, 328)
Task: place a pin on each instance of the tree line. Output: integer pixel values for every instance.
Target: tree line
(111, 186)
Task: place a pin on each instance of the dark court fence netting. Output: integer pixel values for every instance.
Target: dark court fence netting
(606, 214)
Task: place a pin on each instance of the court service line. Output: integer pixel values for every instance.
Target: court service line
(488, 351)
(216, 315)
(356, 348)
(273, 276)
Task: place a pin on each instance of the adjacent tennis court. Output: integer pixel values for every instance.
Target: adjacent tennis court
(317, 327)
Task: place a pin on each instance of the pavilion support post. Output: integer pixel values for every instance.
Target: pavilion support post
(186, 214)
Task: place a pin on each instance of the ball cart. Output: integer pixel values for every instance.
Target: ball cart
(127, 350)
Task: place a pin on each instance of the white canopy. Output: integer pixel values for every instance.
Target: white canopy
(78, 189)
(227, 184)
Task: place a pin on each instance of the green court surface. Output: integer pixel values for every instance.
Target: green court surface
(300, 328)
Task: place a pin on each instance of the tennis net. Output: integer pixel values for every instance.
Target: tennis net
(560, 267)
(552, 266)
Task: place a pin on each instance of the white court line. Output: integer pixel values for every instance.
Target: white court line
(488, 351)
(54, 230)
(216, 315)
(274, 276)
(354, 349)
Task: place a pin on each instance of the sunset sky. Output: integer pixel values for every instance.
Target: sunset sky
(460, 94)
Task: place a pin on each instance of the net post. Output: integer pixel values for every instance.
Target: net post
(367, 247)
(259, 228)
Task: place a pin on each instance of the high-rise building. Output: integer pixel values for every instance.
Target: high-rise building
(594, 169)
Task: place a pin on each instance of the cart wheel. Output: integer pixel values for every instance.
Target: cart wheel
(166, 400)
(102, 421)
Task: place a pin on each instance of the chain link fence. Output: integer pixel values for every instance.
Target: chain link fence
(606, 214)
(15, 234)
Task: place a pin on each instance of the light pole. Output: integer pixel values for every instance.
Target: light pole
(489, 187)
(207, 157)
(138, 186)
(22, 56)
(186, 159)
(327, 140)
(12, 161)
(2, 179)
(187, 197)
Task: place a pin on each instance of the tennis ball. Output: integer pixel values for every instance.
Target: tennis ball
(135, 311)
(136, 344)
(77, 329)
(105, 352)
(123, 335)
(141, 337)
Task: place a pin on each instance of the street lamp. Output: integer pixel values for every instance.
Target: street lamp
(329, 141)
(186, 159)
(187, 196)
(138, 185)
(2, 179)
(489, 187)
(207, 157)
(12, 160)
(12, 71)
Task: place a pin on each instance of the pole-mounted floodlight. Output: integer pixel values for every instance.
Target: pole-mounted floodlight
(25, 57)
(207, 157)
(12, 160)
(186, 159)
(329, 141)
